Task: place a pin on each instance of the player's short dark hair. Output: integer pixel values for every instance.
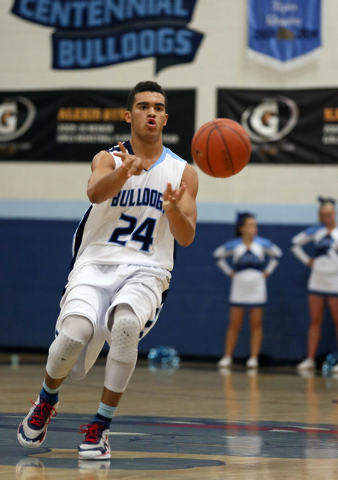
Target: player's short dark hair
(147, 86)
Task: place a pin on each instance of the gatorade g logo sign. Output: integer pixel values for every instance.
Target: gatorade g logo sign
(97, 33)
(270, 120)
(16, 116)
(285, 126)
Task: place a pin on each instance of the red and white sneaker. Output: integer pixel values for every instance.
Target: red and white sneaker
(33, 428)
(96, 443)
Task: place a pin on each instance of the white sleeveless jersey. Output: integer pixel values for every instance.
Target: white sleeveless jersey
(132, 227)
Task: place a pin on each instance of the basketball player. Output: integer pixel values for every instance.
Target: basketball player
(143, 199)
(323, 280)
(248, 283)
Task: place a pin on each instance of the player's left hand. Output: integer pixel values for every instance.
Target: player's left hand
(172, 197)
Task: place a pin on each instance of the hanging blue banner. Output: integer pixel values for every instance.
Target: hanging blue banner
(97, 33)
(284, 34)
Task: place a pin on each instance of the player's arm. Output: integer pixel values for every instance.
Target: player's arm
(180, 207)
(105, 180)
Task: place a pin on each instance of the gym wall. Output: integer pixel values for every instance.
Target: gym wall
(42, 202)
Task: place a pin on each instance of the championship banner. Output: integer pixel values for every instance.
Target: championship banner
(284, 34)
(286, 126)
(73, 125)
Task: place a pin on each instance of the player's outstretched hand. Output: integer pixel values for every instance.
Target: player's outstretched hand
(133, 164)
(172, 197)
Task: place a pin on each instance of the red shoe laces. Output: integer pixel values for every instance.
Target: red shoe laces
(43, 414)
(93, 431)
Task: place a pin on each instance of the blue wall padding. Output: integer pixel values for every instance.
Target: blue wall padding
(35, 262)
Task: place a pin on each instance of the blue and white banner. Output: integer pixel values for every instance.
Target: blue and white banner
(97, 33)
(284, 34)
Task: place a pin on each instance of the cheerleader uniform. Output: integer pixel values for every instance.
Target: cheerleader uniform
(323, 279)
(248, 285)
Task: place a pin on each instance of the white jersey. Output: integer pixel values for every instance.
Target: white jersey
(324, 271)
(248, 285)
(132, 227)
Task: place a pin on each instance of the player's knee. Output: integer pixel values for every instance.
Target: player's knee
(78, 328)
(63, 354)
(124, 339)
(64, 347)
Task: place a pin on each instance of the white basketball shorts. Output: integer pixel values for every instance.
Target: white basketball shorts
(94, 290)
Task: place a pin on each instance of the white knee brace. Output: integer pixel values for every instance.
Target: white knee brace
(124, 339)
(63, 353)
(66, 348)
(122, 355)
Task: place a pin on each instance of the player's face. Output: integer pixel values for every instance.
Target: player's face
(148, 115)
(249, 229)
(328, 215)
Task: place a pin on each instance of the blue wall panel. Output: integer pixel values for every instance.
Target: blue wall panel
(35, 262)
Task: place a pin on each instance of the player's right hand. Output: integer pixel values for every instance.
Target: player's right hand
(133, 164)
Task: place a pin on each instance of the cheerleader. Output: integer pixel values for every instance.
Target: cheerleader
(248, 275)
(323, 279)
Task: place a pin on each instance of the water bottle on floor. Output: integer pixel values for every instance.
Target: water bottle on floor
(330, 362)
(163, 357)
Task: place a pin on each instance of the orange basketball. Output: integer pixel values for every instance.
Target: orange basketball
(221, 148)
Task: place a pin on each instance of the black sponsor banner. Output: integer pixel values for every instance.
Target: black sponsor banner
(286, 126)
(73, 125)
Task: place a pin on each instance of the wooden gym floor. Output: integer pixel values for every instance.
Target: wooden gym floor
(193, 423)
